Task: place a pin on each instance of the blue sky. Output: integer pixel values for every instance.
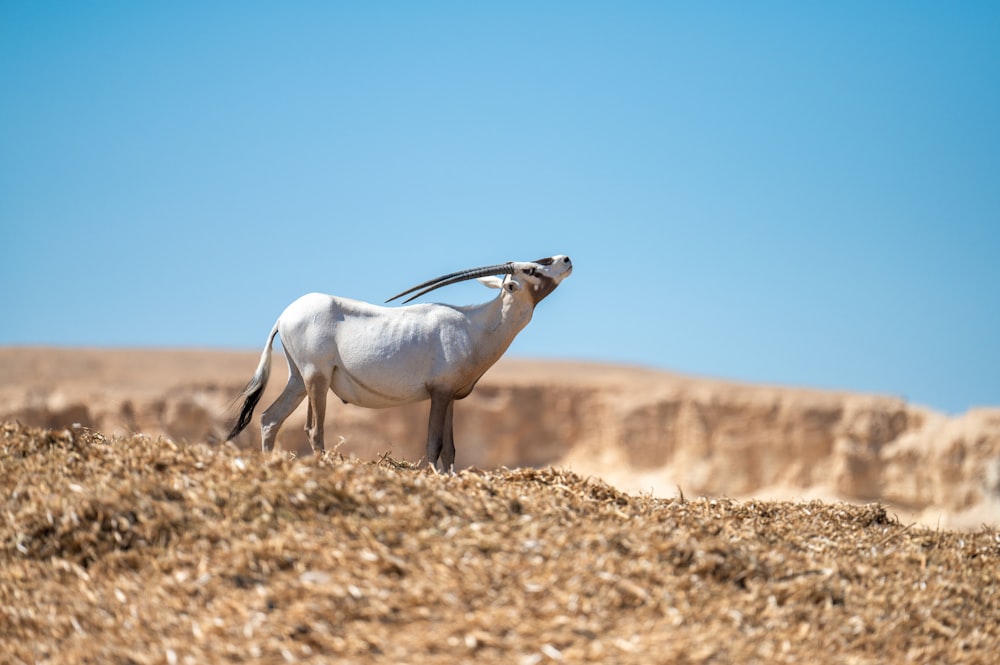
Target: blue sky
(782, 192)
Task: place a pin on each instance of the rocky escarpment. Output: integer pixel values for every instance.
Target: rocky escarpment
(642, 430)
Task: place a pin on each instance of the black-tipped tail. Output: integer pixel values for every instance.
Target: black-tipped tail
(255, 389)
(249, 404)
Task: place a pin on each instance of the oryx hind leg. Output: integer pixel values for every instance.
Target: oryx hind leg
(317, 385)
(276, 414)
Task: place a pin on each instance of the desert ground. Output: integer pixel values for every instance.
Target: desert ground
(641, 430)
(143, 550)
(601, 514)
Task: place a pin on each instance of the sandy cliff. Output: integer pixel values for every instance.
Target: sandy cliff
(641, 430)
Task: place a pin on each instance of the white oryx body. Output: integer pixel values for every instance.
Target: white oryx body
(378, 357)
(384, 356)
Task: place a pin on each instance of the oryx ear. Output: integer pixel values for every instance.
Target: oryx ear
(492, 281)
(512, 285)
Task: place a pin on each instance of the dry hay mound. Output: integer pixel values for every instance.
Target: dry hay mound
(137, 550)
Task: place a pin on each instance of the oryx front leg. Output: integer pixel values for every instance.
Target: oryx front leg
(317, 385)
(448, 450)
(439, 433)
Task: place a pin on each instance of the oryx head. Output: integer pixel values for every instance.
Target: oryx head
(537, 279)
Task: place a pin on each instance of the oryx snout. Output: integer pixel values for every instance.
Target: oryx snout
(557, 267)
(544, 275)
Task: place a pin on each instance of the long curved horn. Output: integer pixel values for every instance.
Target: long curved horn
(452, 278)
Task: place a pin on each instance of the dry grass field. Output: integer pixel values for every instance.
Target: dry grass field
(639, 429)
(141, 550)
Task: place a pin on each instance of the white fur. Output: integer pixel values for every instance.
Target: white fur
(378, 357)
